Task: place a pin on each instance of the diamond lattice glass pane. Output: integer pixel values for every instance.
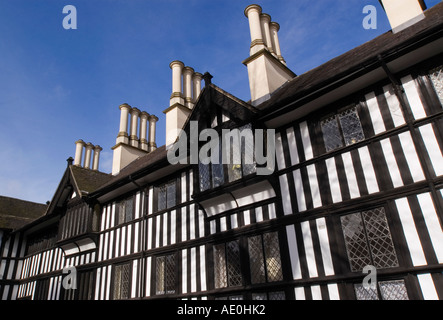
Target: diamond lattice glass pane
(218, 177)
(351, 126)
(170, 274)
(234, 161)
(363, 293)
(272, 254)
(161, 203)
(125, 282)
(393, 290)
(129, 207)
(256, 260)
(121, 282)
(331, 134)
(233, 264)
(279, 295)
(259, 296)
(170, 194)
(436, 76)
(379, 238)
(204, 178)
(355, 240)
(121, 212)
(220, 278)
(160, 275)
(247, 149)
(117, 282)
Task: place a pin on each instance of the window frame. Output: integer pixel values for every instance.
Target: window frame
(378, 290)
(126, 217)
(166, 276)
(264, 246)
(127, 264)
(227, 169)
(367, 240)
(337, 118)
(157, 191)
(236, 264)
(437, 91)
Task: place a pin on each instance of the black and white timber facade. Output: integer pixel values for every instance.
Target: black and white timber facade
(358, 182)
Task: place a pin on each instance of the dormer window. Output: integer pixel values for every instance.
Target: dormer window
(342, 129)
(166, 195)
(233, 158)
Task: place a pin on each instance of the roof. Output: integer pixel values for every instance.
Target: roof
(145, 161)
(15, 213)
(87, 180)
(348, 62)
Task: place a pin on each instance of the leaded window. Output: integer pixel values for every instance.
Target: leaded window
(125, 210)
(387, 290)
(165, 275)
(264, 258)
(278, 295)
(237, 145)
(166, 195)
(204, 176)
(121, 281)
(84, 287)
(331, 134)
(342, 129)
(241, 160)
(368, 240)
(227, 267)
(393, 290)
(351, 126)
(436, 76)
(41, 289)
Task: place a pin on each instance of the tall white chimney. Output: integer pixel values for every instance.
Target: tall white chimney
(197, 80)
(253, 12)
(177, 70)
(186, 86)
(96, 157)
(129, 146)
(265, 20)
(143, 130)
(403, 13)
(123, 133)
(79, 145)
(133, 139)
(267, 69)
(89, 146)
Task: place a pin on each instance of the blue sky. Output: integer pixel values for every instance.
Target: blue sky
(58, 86)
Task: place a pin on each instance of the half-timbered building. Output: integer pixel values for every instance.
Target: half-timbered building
(356, 187)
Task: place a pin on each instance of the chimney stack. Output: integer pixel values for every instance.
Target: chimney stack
(274, 28)
(96, 157)
(133, 139)
(403, 13)
(253, 13)
(129, 146)
(89, 147)
(152, 123)
(143, 130)
(186, 87)
(197, 80)
(79, 144)
(87, 164)
(267, 69)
